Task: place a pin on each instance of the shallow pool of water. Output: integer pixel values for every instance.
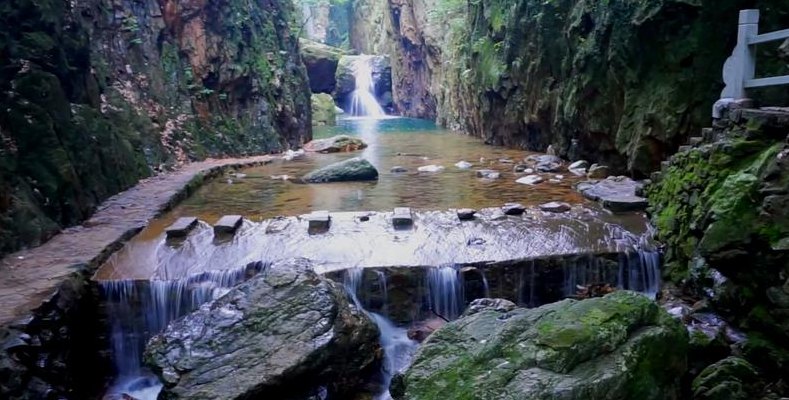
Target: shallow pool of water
(405, 142)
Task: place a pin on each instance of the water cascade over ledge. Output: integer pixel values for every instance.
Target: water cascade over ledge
(363, 101)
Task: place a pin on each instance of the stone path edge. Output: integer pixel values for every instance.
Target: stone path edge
(32, 280)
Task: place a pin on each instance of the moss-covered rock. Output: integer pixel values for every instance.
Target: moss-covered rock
(98, 94)
(618, 346)
(729, 379)
(324, 111)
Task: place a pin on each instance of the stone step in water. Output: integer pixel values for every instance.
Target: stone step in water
(319, 221)
(402, 218)
(228, 224)
(181, 227)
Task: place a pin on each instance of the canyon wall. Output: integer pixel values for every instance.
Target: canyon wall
(622, 82)
(98, 94)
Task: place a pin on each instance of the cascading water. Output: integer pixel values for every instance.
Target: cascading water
(363, 101)
(398, 348)
(445, 292)
(139, 309)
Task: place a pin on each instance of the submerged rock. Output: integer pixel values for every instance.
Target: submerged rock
(464, 165)
(335, 144)
(431, 168)
(278, 335)
(398, 170)
(617, 194)
(555, 206)
(621, 346)
(354, 169)
(488, 174)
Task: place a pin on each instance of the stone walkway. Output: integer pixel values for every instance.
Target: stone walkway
(29, 277)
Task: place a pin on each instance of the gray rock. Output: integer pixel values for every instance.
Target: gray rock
(398, 170)
(464, 165)
(580, 164)
(280, 334)
(616, 194)
(335, 144)
(548, 167)
(555, 206)
(488, 174)
(513, 209)
(621, 346)
(319, 221)
(530, 180)
(521, 168)
(228, 224)
(431, 168)
(402, 217)
(466, 214)
(598, 172)
(354, 169)
(497, 305)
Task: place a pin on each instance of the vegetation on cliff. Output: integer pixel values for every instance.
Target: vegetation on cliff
(97, 95)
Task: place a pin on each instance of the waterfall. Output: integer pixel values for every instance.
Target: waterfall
(485, 285)
(363, 102)
(138, 310)
(638, 270)
(445, 288)
(398, 348)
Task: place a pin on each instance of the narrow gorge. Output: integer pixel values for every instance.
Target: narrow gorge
(394, 199)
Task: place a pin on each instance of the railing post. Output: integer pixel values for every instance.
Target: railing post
(741, 66)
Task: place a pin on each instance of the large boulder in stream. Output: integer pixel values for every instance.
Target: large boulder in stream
(621, 346)
(280, 335)
(335, 144)
(354, 169)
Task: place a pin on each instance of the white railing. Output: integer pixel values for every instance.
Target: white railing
(739, 71)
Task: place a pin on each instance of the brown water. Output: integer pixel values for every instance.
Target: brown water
(402, 142)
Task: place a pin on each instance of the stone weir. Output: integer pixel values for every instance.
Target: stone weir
(381, 239)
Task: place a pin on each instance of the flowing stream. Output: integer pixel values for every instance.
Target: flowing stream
(403, 278)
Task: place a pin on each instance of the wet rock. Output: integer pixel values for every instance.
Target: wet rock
(555, 207)
(354, 169)
(431, 168)
(421, 330)
(519, 168)
(335, 144)
(513, 209)
(506, 161)
(598, 172)
(291, 155)
(530, 180)
(323, 110)
(321, 62)
(497, 305)
(278, 335)
(466, 214)
(488, 174)
(464, 165)
(620, 346)
(732, 378)
(398, 170)
(579, 165)
(228, 224)
(181, 227)
(615, 193)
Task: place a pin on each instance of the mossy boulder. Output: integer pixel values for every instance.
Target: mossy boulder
(321, 62)
(280, 335)
(354, 169)
(621, 346)
(335, 144)
(324, 111)
(732, 378)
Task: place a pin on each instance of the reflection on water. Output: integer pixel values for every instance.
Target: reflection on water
(392, 142)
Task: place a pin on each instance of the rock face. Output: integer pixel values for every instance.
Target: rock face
(335, 144)
(97, 94)
(621, 346)
(279, 335)
(354, 169)
(724, 205)
(323, 110)
(570, 74)
(321, 63)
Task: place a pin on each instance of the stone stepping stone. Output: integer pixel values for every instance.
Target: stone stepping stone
(625, 203)
(513, 209)
(530, 180)
(555, 207)
(181, 227)
(402, 217)
(319, 221)
(228, 224)
(466, 214)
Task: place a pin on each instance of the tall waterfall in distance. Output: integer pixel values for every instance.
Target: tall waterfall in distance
(363, 101)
